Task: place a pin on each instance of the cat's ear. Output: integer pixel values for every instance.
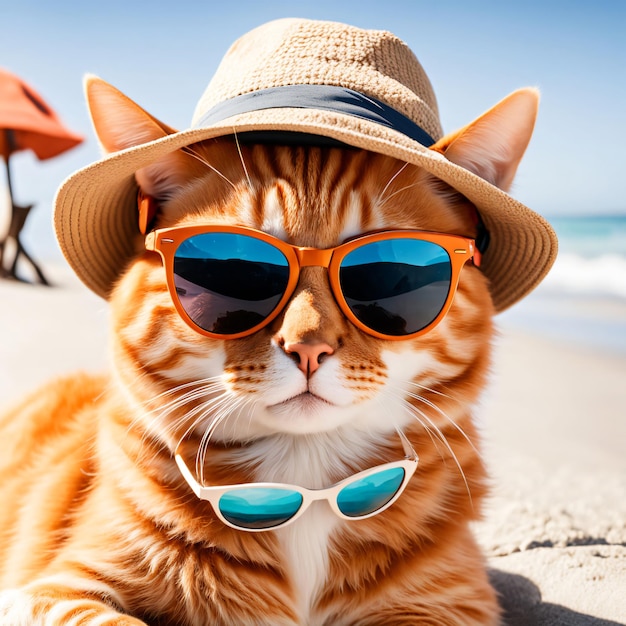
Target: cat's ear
(121, 123)
(492, 146)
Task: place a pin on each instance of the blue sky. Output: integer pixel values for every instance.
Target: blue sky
(163, 54)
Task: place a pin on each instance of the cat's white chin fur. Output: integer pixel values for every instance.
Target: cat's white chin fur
(303, 414)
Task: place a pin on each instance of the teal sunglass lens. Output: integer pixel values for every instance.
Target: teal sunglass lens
(259, 507)
(371, 493)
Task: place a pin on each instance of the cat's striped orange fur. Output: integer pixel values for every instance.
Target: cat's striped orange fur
(98, 527)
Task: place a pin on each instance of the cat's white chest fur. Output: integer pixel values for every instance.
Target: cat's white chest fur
(305, 461)
(305, 545)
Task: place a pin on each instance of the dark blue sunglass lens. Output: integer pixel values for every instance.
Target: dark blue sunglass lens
(259, 507)
(228, 283)
(371, 493)
(397, 286)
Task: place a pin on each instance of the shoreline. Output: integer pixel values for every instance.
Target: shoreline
(595, 323)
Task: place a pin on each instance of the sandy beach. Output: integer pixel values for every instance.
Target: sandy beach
(554, 437)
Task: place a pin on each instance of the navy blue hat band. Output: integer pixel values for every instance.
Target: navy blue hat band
(321, 97)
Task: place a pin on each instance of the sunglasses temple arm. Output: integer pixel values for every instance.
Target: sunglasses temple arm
(196, 487)
(409, 451)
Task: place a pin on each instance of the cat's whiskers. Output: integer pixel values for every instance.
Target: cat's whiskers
(215, 407)
(192, 153)
(236, 404)
(198, 414)
(435, 434)
(432, 431)
(234, 409)
(436, 392)
(243, 162)
(212, 390)
(381, 197)
(396, 192)
(430, 390)
(443, 414)
(431, 427)
(181, 394)
(192, 383)
(415, 412)
(213, 416)
(162, 423)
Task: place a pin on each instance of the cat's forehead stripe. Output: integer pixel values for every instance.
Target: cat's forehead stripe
(353, 217)
(245, 210)
(273, 220)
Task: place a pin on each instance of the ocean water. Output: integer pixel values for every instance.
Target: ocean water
(592, 256)
(583, 298)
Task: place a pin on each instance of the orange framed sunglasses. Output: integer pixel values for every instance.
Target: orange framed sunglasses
(228, 282)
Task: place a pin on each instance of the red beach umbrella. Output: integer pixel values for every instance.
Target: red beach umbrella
(30, 122)
(27, 123)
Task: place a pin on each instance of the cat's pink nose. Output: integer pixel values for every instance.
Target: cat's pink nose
(309, 355)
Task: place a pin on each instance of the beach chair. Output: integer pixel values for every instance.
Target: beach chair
(9, 270)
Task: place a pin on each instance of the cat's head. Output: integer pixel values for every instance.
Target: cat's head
(310, 369)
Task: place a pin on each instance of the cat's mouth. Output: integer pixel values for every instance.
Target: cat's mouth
(304, 413)
(305, 404)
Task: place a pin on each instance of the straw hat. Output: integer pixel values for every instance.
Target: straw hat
(359, 87)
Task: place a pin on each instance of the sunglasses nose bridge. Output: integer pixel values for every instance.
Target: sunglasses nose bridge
(313, 257)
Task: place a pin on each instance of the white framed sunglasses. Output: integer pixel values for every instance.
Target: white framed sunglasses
(258, 507)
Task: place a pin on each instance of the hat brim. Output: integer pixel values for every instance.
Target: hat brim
(95, 213)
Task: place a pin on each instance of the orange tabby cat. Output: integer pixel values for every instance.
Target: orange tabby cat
(99, 526)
